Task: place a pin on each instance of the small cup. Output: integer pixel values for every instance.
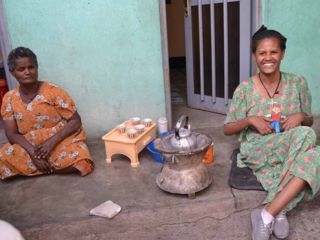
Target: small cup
(131, 132)
(121, 128)
(135, 120)
(140, 128)
(147, 122)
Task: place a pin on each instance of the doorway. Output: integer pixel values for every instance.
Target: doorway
(176, 51)
(202, 76)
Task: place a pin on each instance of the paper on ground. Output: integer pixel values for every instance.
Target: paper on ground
(107, 209)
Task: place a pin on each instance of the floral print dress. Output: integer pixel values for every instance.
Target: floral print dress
(276, 158)
(38, 120)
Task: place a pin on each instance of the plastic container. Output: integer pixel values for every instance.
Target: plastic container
(208, 157)
(155, 154)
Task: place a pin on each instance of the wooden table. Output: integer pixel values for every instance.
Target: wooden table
(120, 143)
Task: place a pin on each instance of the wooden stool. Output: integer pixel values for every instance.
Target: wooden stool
(119, 143)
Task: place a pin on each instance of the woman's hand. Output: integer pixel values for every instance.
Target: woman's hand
(43, 150)
(41, 164)
(15, 137)
(262, 124)
(292, 121)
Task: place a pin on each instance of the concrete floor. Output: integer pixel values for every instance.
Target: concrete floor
(40, 205)
(57, 207)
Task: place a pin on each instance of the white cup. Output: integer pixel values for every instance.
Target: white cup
(139, 128)
(135, 120)
(121, 128)
(147, 122)
(132, 132)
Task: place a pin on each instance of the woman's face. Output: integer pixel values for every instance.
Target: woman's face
(268, 55)
(26, 72)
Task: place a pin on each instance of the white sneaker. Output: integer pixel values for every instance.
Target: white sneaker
(260, 231)
(281, 226)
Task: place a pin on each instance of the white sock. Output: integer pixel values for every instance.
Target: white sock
(266, 217)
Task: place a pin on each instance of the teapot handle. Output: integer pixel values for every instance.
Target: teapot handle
(183, 119)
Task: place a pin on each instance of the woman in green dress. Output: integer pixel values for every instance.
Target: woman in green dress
(286, 162)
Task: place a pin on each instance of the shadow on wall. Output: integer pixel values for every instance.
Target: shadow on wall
(316, 127)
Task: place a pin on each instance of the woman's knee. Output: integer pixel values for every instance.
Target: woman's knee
(308, 133)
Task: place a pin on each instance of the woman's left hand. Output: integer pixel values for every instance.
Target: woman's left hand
(292, 121)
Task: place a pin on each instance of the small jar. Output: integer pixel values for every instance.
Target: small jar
(162, 125)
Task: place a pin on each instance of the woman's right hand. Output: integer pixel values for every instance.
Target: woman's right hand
(41, 164)
(262, 124)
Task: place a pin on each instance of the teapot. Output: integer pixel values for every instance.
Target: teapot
(183, 139)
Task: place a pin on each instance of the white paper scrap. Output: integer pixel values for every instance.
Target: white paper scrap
(107, 209)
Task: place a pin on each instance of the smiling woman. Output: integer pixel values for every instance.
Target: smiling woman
(272, 113)
(42, 125)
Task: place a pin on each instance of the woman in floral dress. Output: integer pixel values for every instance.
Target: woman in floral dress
(42, 125)
(286, 163)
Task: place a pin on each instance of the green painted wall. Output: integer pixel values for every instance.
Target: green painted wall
(107, 54)
(299, 21)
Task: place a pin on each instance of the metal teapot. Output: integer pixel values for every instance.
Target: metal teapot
(183, 139)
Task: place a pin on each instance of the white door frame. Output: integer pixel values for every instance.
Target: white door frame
(165, 60)
(256, 12)
(5, 46)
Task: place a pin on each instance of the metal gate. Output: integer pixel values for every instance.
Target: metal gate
(218, 56)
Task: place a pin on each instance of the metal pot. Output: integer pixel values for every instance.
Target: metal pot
(183, 171)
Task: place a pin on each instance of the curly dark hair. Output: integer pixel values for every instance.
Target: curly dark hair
(264, 33)
(20, 52)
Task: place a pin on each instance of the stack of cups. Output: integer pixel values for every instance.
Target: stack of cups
(162, 125)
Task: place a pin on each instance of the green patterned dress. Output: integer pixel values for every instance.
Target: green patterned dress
(276, 158)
